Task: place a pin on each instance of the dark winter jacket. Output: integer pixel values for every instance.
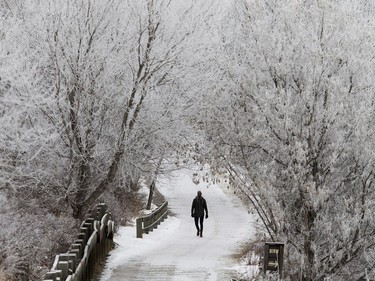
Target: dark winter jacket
(198, 207)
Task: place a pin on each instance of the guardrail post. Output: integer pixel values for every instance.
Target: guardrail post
(77, 248)
(71, 258)
(64, 267)
(139, 227)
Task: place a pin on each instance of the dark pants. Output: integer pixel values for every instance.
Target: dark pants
(196, 218)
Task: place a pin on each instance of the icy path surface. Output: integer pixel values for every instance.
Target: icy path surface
(173, 251)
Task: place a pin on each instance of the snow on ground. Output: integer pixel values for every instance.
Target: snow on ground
(173, 251)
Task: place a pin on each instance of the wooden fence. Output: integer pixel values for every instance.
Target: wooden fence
(151, 221)
(94, 242)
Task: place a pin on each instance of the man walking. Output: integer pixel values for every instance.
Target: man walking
(197, 212)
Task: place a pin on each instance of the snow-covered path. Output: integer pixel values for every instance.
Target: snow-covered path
(173, 251)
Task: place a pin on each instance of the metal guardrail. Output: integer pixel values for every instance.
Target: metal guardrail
(94, 242)
(151, 221)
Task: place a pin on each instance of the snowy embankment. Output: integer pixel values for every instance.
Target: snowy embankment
(173, 251)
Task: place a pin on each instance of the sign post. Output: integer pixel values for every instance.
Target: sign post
(273, 257)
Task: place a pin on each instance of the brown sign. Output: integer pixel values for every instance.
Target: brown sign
(273, 256)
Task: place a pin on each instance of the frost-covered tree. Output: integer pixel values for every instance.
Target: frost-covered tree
(94, 97)
(84, 78)
(293, 124)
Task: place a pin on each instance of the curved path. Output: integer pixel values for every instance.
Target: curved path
(173, 251)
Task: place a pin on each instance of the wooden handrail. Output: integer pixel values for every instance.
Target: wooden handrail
(94, 241)
(151, 221)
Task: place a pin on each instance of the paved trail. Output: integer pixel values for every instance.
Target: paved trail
(173, 251)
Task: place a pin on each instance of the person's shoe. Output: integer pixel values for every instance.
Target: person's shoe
(201, 234)
(198, 232)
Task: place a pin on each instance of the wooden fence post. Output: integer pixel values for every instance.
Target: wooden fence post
(139, 227)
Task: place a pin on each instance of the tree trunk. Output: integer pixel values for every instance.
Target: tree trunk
(83, 187)
(81, 209)
(150, 195)
(309, 253)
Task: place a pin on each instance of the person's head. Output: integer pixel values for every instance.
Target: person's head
(199, 194)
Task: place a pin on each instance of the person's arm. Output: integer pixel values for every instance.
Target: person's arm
(193, 208)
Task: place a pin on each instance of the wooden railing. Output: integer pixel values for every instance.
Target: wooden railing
(151, 221)
(94, 242)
